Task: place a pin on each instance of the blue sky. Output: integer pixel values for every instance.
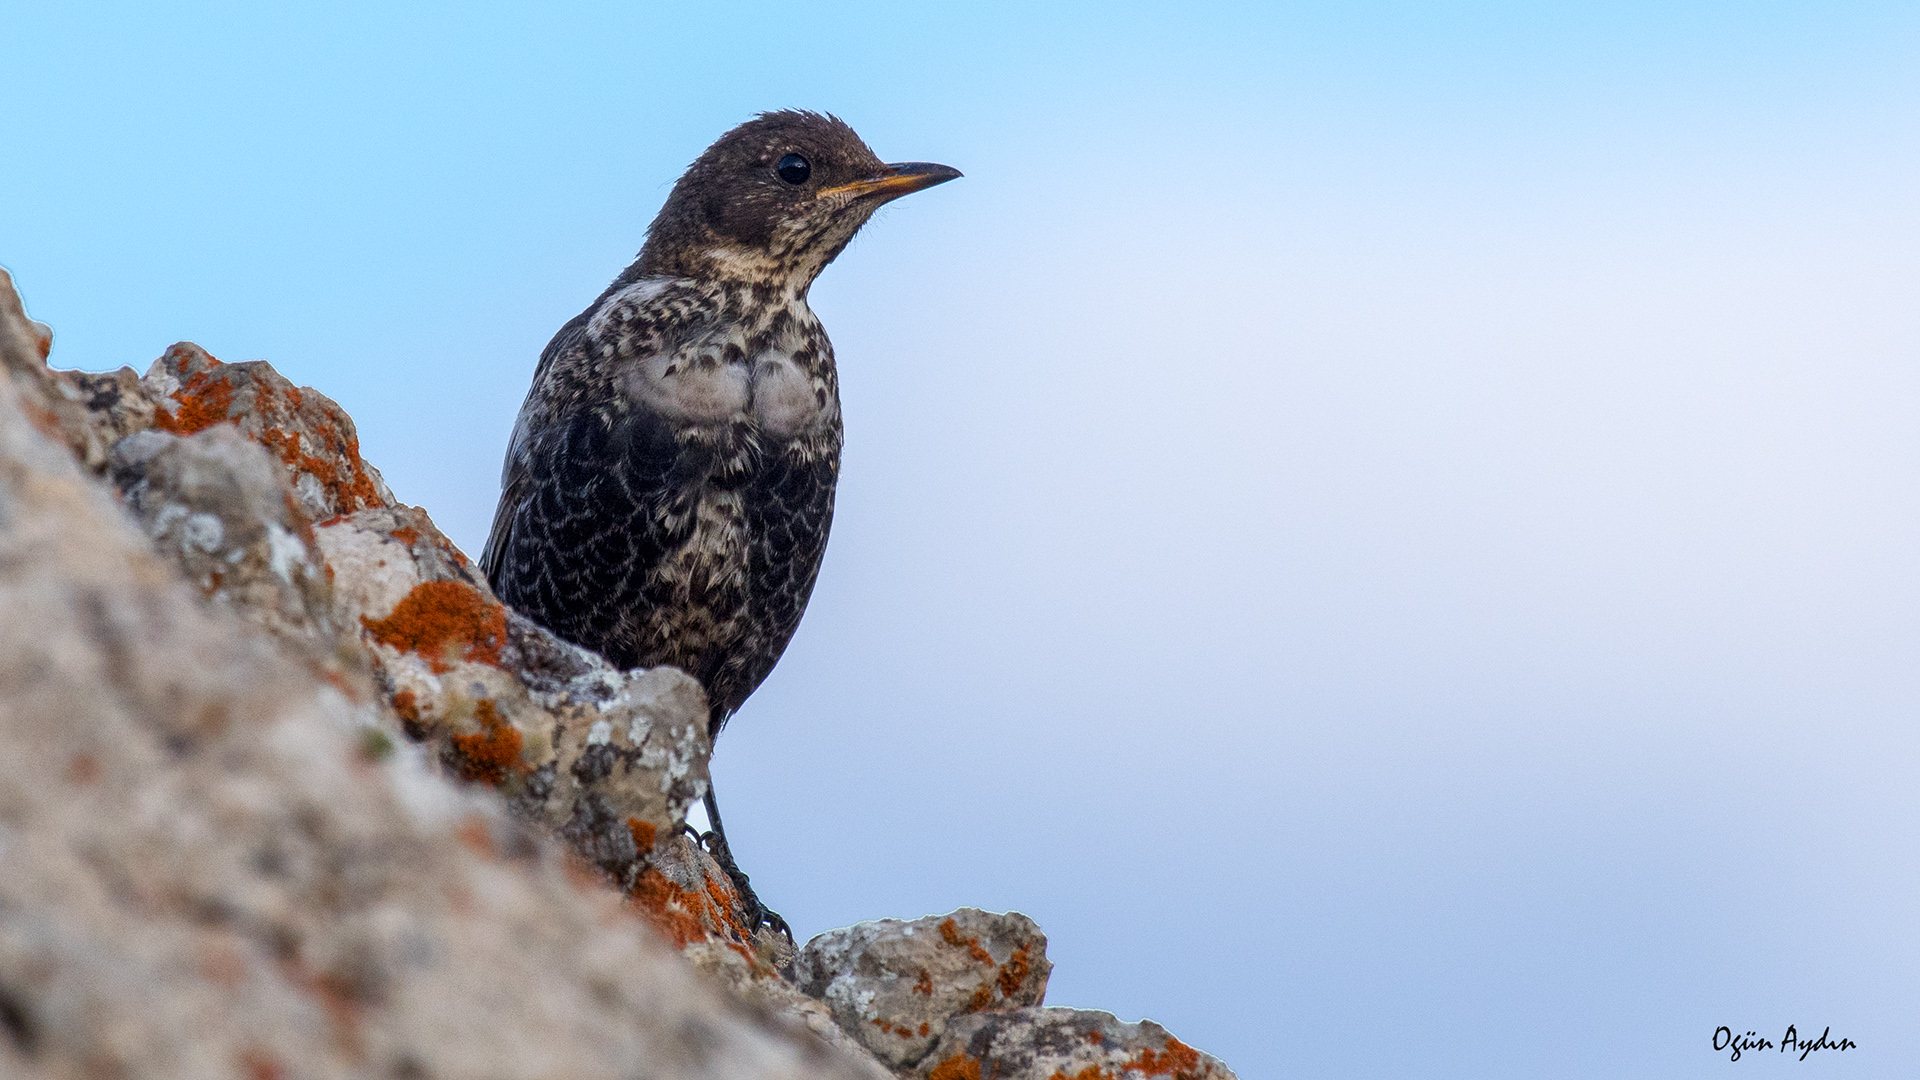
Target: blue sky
(1388, 528)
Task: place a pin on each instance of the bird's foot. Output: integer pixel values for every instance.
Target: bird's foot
(758, 914)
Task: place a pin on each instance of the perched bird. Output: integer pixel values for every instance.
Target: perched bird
(669, 484)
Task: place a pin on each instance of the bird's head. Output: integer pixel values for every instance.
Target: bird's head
(774, 200)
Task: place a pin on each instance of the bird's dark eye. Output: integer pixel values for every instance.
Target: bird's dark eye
(794, 169)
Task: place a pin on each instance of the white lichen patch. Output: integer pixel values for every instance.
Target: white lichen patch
(285, 552)
(204, 532)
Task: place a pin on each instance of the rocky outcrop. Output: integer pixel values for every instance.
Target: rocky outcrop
(896, 985)
(214, 504)
(286, 792)
(1078, 1044)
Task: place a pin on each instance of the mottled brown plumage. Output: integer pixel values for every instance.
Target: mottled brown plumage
(669, 485)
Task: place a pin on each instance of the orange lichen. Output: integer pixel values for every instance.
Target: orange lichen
(668, 908)
(643, 834)
(982, 998)
(723, 900)
(924, 1029)
(925, 983)
(347, 485)
(491, 753)
(442, 620)
(950, 933)
(407, 706)
(957, 1067)
(406, 534)
(1095, 1037)
(905, 1031)
(204, 398)
(689, 915)
(1013, 973)
(1176, 1059)
(350, 488)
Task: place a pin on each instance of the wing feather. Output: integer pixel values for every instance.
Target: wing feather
(575, 397)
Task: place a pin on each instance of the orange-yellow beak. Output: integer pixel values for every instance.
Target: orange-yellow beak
(904, 178)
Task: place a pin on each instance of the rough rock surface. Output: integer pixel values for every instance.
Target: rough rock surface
(1077, 1044)
(84, 411)
(311, 435)
(215, 504)
(896, 985)
(286, 792)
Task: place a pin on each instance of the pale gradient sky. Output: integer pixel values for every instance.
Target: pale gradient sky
(1390, 529)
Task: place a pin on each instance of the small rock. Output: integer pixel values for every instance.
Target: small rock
(218, 504)
(1081, 1044)
(609, 760)
(310, 434)
(690, 900)
(896, 986)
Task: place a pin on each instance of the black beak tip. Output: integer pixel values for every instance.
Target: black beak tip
(929, 173)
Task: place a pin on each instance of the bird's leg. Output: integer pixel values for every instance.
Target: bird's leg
(758, 914)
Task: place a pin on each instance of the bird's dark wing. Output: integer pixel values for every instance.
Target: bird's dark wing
(568, 348)
(634, 317)
(597, 487)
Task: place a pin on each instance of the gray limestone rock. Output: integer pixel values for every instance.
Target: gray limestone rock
(609, 760)
(690, 899)
(302, 427)
(1044, 1044)
(217, 504)
(87, 412)
(24, 344)
(896, 986)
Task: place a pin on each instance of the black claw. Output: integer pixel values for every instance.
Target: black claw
(715, 841)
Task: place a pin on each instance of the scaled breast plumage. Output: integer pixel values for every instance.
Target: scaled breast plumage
(673, 475)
